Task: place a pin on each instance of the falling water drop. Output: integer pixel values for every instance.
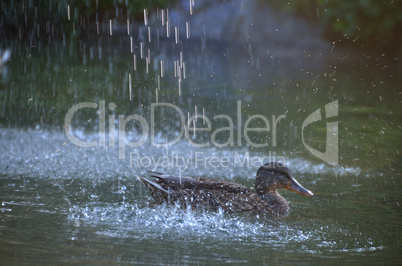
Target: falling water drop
(178, 69)
(129, 85)
(188, 30)
(167, 29)
(128, 27)
(110, 27)
(156, 95)
(188, 120)
(149, 34)
(176, 34)
(146, 17)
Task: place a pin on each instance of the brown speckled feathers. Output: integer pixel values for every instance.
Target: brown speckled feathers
(213, 194)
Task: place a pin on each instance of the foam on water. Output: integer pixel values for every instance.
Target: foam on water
(50, 154)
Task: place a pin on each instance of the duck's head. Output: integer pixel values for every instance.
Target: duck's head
(272, 176)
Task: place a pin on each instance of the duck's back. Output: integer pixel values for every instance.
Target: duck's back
(209, 194)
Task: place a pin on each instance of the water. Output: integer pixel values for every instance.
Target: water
(65, 203)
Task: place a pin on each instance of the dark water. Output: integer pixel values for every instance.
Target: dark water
(61, 203)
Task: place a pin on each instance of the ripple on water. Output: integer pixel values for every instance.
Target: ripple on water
(157, 222)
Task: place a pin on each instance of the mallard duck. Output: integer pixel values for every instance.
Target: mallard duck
(231, 197)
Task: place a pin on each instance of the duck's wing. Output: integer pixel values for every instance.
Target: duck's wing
(159, 193)
(224, 186)
(184, 182)
(167, 187)
(176, 182)
(205, 192)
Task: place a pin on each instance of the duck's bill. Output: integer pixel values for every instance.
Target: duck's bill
(296, 187)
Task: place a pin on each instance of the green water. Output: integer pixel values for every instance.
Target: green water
(61, 203)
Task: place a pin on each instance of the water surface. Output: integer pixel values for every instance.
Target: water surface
(64, 203)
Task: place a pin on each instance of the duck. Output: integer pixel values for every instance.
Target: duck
(215, 194)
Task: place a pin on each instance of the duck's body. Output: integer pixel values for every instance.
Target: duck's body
(231, 197)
